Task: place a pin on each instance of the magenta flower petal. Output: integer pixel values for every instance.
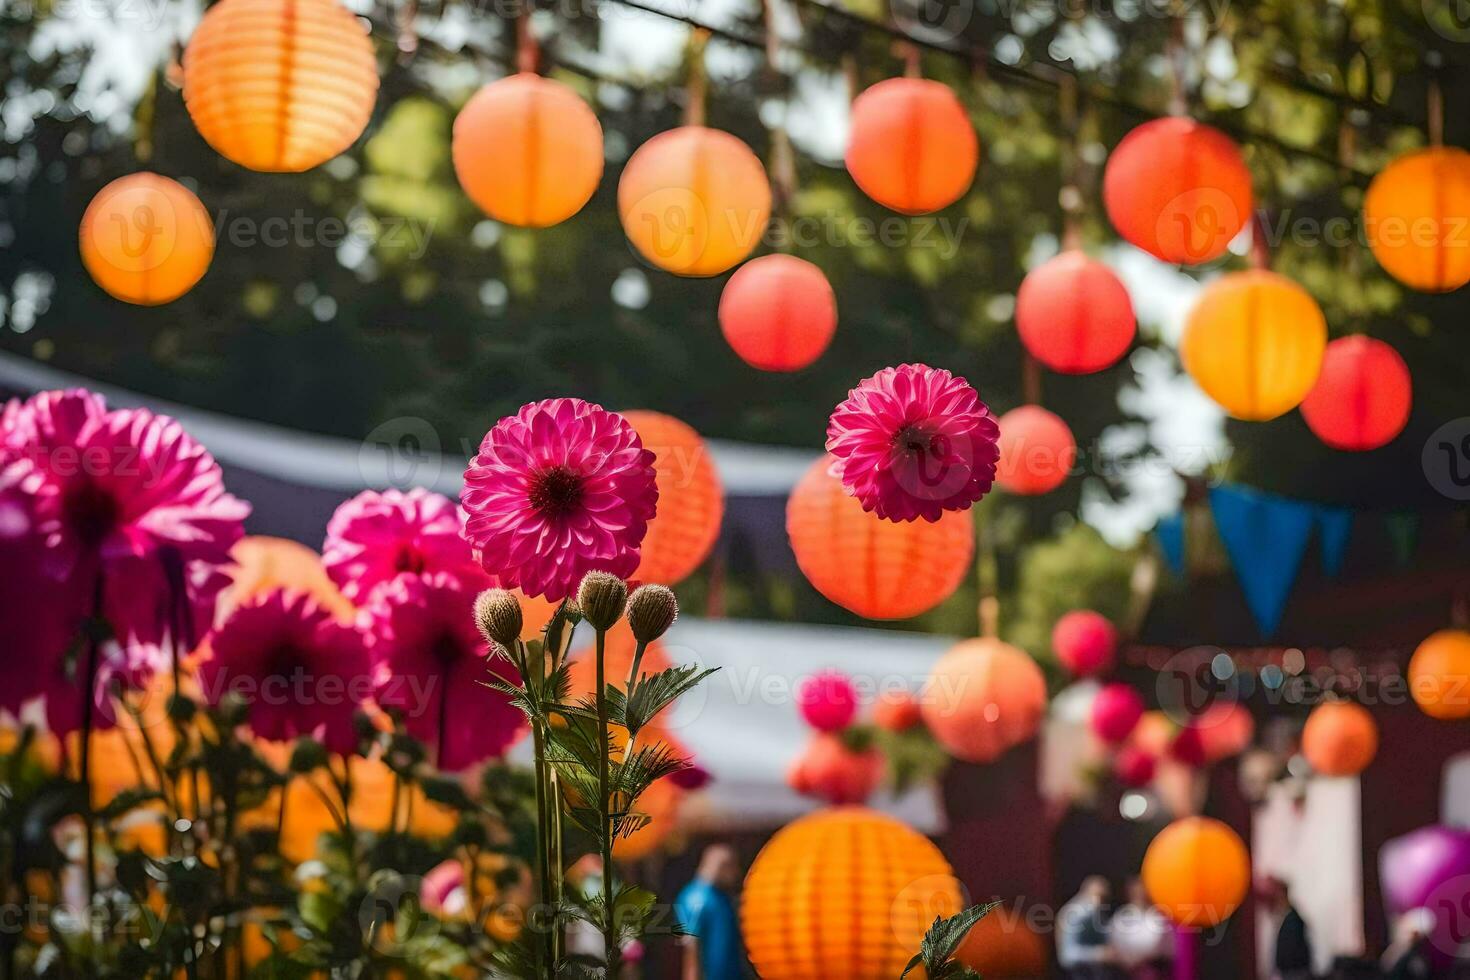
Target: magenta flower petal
(301, 671)
(559, 489)
(376, 536)
(914, 441)
(432, 665)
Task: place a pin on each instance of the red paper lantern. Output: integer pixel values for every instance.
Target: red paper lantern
(984, 697)
(1116, 712)
(778, 313)
(831, 771)
(528, 150)
(1037, 451)
(828, 700)
(913, 148)
(1341, 738)
(1197, 871)
(1134, 767)
(1361, 399)
(875, 568)
(1074, 315)
(691, 500)
(1177, 189)
(1085, 642)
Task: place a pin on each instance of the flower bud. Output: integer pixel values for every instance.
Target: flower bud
(498, 614)
(652, 609)
(601, 597)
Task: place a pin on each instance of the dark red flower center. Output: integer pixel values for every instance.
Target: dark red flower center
(90, 511)
(409, 560)
(912, 439)
(556, 492)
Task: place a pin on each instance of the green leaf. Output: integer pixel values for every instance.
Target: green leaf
(653, 693)
(941, 941)
(441, 789)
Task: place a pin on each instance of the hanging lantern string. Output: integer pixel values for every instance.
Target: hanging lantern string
(1350, 256)
(1177, 51)
(783, 157)
(696, 86)
(1042, 74)
(913, 62)
(528, 51)
(1435, 124)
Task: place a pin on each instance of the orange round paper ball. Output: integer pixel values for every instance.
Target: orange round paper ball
(1002, 946)
(1362, 396)
(528, 150)
(912, 148)
(1177, 189)
(1254, 342)
(280, 85)
(778, 313)
(694, 201)
(983, 698)
(1037, 451)
(146, 239)
(1223, 730)
(831, 771)
(875, 568)
(845, 892)
(1197, 872)
(897, 711)
(691, 500)
(1341, 738)
(1417, 218)
(1439, 675)
(1074, 315)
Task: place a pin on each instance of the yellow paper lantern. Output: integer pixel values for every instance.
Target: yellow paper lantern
(1416, 215)
(1254, 342)
(146, 239)
(983, 697)
(691, 501)
(876, 568)
(280, 85)
(845, 892)
(1197, 871)
(1439, 675)
(694, 201)
(528, 150)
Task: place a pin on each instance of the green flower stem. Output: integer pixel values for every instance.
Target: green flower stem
(89, 698)
(604, 806)
(544, 855)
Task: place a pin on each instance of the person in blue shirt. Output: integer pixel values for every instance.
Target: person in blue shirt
(706, 912)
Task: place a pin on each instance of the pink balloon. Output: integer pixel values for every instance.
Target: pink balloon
(1115, 713)
(828, 701)
(1085, 642)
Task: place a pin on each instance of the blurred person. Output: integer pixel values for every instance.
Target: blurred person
(706, 912)
(1141, 938)
(1409, 956)
(1292, 959)
(1083, 951)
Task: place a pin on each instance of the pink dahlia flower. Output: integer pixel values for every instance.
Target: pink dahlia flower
(432, 663)
(375, 536)
(914, 441)
(559, 489)
(302, 671)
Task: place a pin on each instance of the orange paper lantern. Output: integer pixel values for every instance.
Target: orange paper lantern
(1415, 215)
(984, 697)
(1197, 872)
(660, 803)
(778, 313)
(691, 501)
(913, 148)
(1003, 946)
(829, 770)
(280, 85)
(694, 201)
(1254, 342)
(1439, 675)
(875, 568)
(1037, 451)
(146, 239)
(528, 150)
(1177, 189)
(1341, 738)
(847, 893)
(1362, 397)
(1074, 315)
